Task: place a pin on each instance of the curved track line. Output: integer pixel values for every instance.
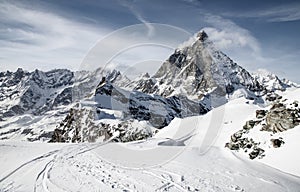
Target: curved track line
(27, 163)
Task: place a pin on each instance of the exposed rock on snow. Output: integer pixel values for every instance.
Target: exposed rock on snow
(277, 119)
(277, 142)
(257, 152)
(280, 118)
(240, 141)
(78, 126)
(260, 114)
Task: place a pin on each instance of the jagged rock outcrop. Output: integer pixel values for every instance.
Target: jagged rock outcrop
(240, 141)
(273, 97)
(78, 126)
(280, 117)
(277, 142)
(81, 125)
(260, 114)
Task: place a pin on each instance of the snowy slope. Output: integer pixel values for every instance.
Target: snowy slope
(158, 164)
(282, 158)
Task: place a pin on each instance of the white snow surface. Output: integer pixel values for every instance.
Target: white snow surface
(188, 155)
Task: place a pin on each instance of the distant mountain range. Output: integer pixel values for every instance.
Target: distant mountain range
(65, 106)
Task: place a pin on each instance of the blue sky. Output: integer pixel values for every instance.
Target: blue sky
(59, 33)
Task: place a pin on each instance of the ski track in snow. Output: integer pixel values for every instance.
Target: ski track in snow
(28, 163)
(78, 168)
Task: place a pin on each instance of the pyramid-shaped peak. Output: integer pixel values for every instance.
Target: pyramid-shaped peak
(202, 35)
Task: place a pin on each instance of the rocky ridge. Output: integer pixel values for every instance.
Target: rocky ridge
(80, 126)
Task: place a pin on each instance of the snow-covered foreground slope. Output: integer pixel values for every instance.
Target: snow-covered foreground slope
(185, 156)
(236, 113)
(74, 168)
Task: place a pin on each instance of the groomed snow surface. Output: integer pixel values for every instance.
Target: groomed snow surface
(188, 155)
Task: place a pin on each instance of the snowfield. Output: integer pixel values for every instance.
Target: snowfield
(187, 155)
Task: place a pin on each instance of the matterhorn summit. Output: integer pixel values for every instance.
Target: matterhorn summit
(197, 69)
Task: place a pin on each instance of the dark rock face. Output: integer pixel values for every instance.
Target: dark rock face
(58, 136)
(280, 118)
(159, 111)
(273, 97)
(79, 126)
(277, 142)
(177, 58)
(236, 136)
(202, 36)
(257, 152)
(239, 141)
(229, 88)
(63, 98)
(146, 86)
(260, 114)
(250, 124)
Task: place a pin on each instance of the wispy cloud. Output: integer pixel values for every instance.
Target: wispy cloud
(228, 35)
(282, 13)
(235, 41)
(137, 14)
(35, 38)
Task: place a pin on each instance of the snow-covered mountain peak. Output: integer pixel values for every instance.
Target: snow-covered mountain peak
(272, 82)
(202, 35)
(197, 68)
